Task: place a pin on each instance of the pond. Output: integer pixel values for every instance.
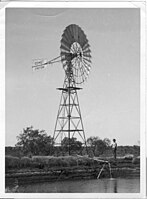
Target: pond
(103, 185)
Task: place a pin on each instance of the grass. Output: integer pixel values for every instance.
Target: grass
(12, 162)
(42, 162)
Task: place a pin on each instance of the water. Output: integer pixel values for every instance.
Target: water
(102, 185)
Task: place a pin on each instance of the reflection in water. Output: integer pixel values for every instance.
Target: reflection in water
(110, 185)
(103, 185)
(115, 186)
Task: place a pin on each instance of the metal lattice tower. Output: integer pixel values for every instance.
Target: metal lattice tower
(69, 120)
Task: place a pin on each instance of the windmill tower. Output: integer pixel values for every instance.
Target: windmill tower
(76, 60)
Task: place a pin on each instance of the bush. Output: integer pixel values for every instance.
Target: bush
(64, 162)
(41, 159)
(128, 157)
(136, 160)
(12, 162)
(84, 161)
(48, 161)
(71, 160)
(25, 162)
(55, 162)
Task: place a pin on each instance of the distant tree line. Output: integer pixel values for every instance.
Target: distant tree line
(35, 142)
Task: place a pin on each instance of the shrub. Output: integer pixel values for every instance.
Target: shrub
(57, 161)
(48, 161)
(72, 161)
(128, 157)
(136, 160)
(25, 162)
(64, 162)
(12, 162)
(41, 159)
(83, 161)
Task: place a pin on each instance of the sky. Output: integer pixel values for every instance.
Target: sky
(110, 98)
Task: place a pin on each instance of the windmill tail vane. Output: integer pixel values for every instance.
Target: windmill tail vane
(43, 63)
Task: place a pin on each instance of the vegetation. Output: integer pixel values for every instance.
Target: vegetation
(97, 145)
(123, 151)
(61, 162)
(12, 162)
(34, 142)
(71, 144)
(35, 157)
(42, 162)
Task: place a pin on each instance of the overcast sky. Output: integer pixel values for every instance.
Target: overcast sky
(109, 100)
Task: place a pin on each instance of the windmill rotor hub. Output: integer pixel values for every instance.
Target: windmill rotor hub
(76, 49)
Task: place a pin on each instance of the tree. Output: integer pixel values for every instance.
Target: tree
(92, 142)
(97, 145)
(100, 147)
(107, 141)
(34, 142)
(71, 143)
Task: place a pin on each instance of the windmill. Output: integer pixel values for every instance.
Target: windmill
(75, 57)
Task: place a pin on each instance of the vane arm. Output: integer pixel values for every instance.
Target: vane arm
(54, 60)
(42, 63)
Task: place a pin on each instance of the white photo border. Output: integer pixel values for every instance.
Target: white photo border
(141, 5)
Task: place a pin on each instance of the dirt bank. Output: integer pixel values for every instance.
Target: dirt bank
(78, 168)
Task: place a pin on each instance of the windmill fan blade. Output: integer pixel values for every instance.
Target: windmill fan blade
(86, 46)
(87, 66)
(88, 60)
(87, 55)
(64, 48)
(85, 40)
(65, 54)
(86, 72)
(86, 51)
(71, 31)
(76, 32)
(67, 46)
(81, 38)
(67, 37)
(67, 31)
(65, 43)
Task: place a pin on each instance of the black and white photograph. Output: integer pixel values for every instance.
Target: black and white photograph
(73, 105)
